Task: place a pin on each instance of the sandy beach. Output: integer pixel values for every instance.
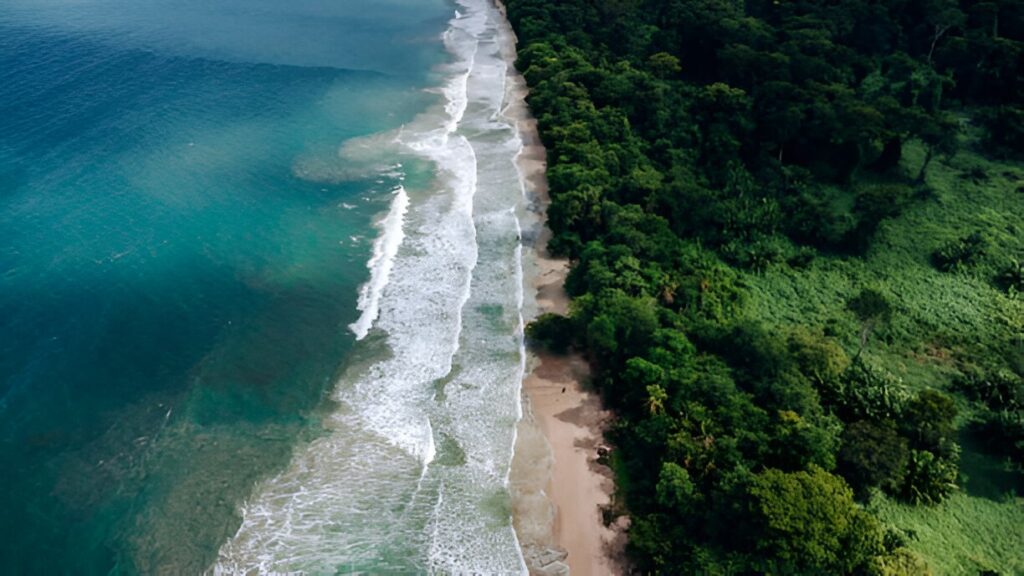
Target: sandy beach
(558, 486)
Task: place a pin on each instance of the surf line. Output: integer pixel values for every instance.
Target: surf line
(385, 249)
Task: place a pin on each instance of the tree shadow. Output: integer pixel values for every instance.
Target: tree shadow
(988, 475)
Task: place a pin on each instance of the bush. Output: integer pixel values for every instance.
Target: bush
(928, 422)
(902, 562)
(930, 479)
(551, 332)
(997, 388)
(1000, 425)
(875, 203)
(873, 310)
(819, 357)
(1011, 277)
(867, 392)
(960, 254)
(873, 455)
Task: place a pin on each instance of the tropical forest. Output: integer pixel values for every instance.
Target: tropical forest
(796, 231)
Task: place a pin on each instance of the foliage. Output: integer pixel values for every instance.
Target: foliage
(1000, 423)
(930, 478)
(819, 357)
(1003, 432)
(872, 309)
(675, 489)
(806, 522)
(947, 534)
(927, 420)
(902, 562)
(961, 253)
(868, 391)
(1011, 277)
(750, 194)
(873, 455)
(551, 331)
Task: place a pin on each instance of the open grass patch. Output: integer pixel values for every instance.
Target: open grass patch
(941, 321)
(939, 317)
(965, 534)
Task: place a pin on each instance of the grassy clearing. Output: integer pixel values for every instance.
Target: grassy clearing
(943, 320)
(963, 535)
(940, 317)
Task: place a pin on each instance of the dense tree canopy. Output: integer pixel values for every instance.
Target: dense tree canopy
(691, 142)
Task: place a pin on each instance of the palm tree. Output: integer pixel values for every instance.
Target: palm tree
(656, 397)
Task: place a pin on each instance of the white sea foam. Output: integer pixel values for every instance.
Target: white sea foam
(411, 469)
(385, 248)
(521, 328)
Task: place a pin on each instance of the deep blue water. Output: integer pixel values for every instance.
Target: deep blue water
(180, 254)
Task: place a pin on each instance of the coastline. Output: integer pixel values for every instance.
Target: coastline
(558, 487)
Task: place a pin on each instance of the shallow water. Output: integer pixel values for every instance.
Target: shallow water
(410, 475)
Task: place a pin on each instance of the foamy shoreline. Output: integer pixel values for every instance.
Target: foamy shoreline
(558, 488)
(412, 464)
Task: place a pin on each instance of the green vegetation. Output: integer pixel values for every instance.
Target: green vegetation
(551, 332)
(962, 535)
(796, 234)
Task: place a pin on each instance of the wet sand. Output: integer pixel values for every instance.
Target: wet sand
(557, 484)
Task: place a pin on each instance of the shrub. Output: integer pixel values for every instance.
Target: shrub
(1011, 277)
(960, 254)
(875, 203)
(930, 479)
(997, 388)
(902, 562)
(551, 332)
(873, 310)
(927, 421)
(868, 392)
(873, 455)
(819, 358)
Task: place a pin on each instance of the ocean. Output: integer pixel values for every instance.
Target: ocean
(260, 287)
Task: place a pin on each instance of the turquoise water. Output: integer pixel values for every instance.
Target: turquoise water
(410, 471)
(181, 251)
(260, 287)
